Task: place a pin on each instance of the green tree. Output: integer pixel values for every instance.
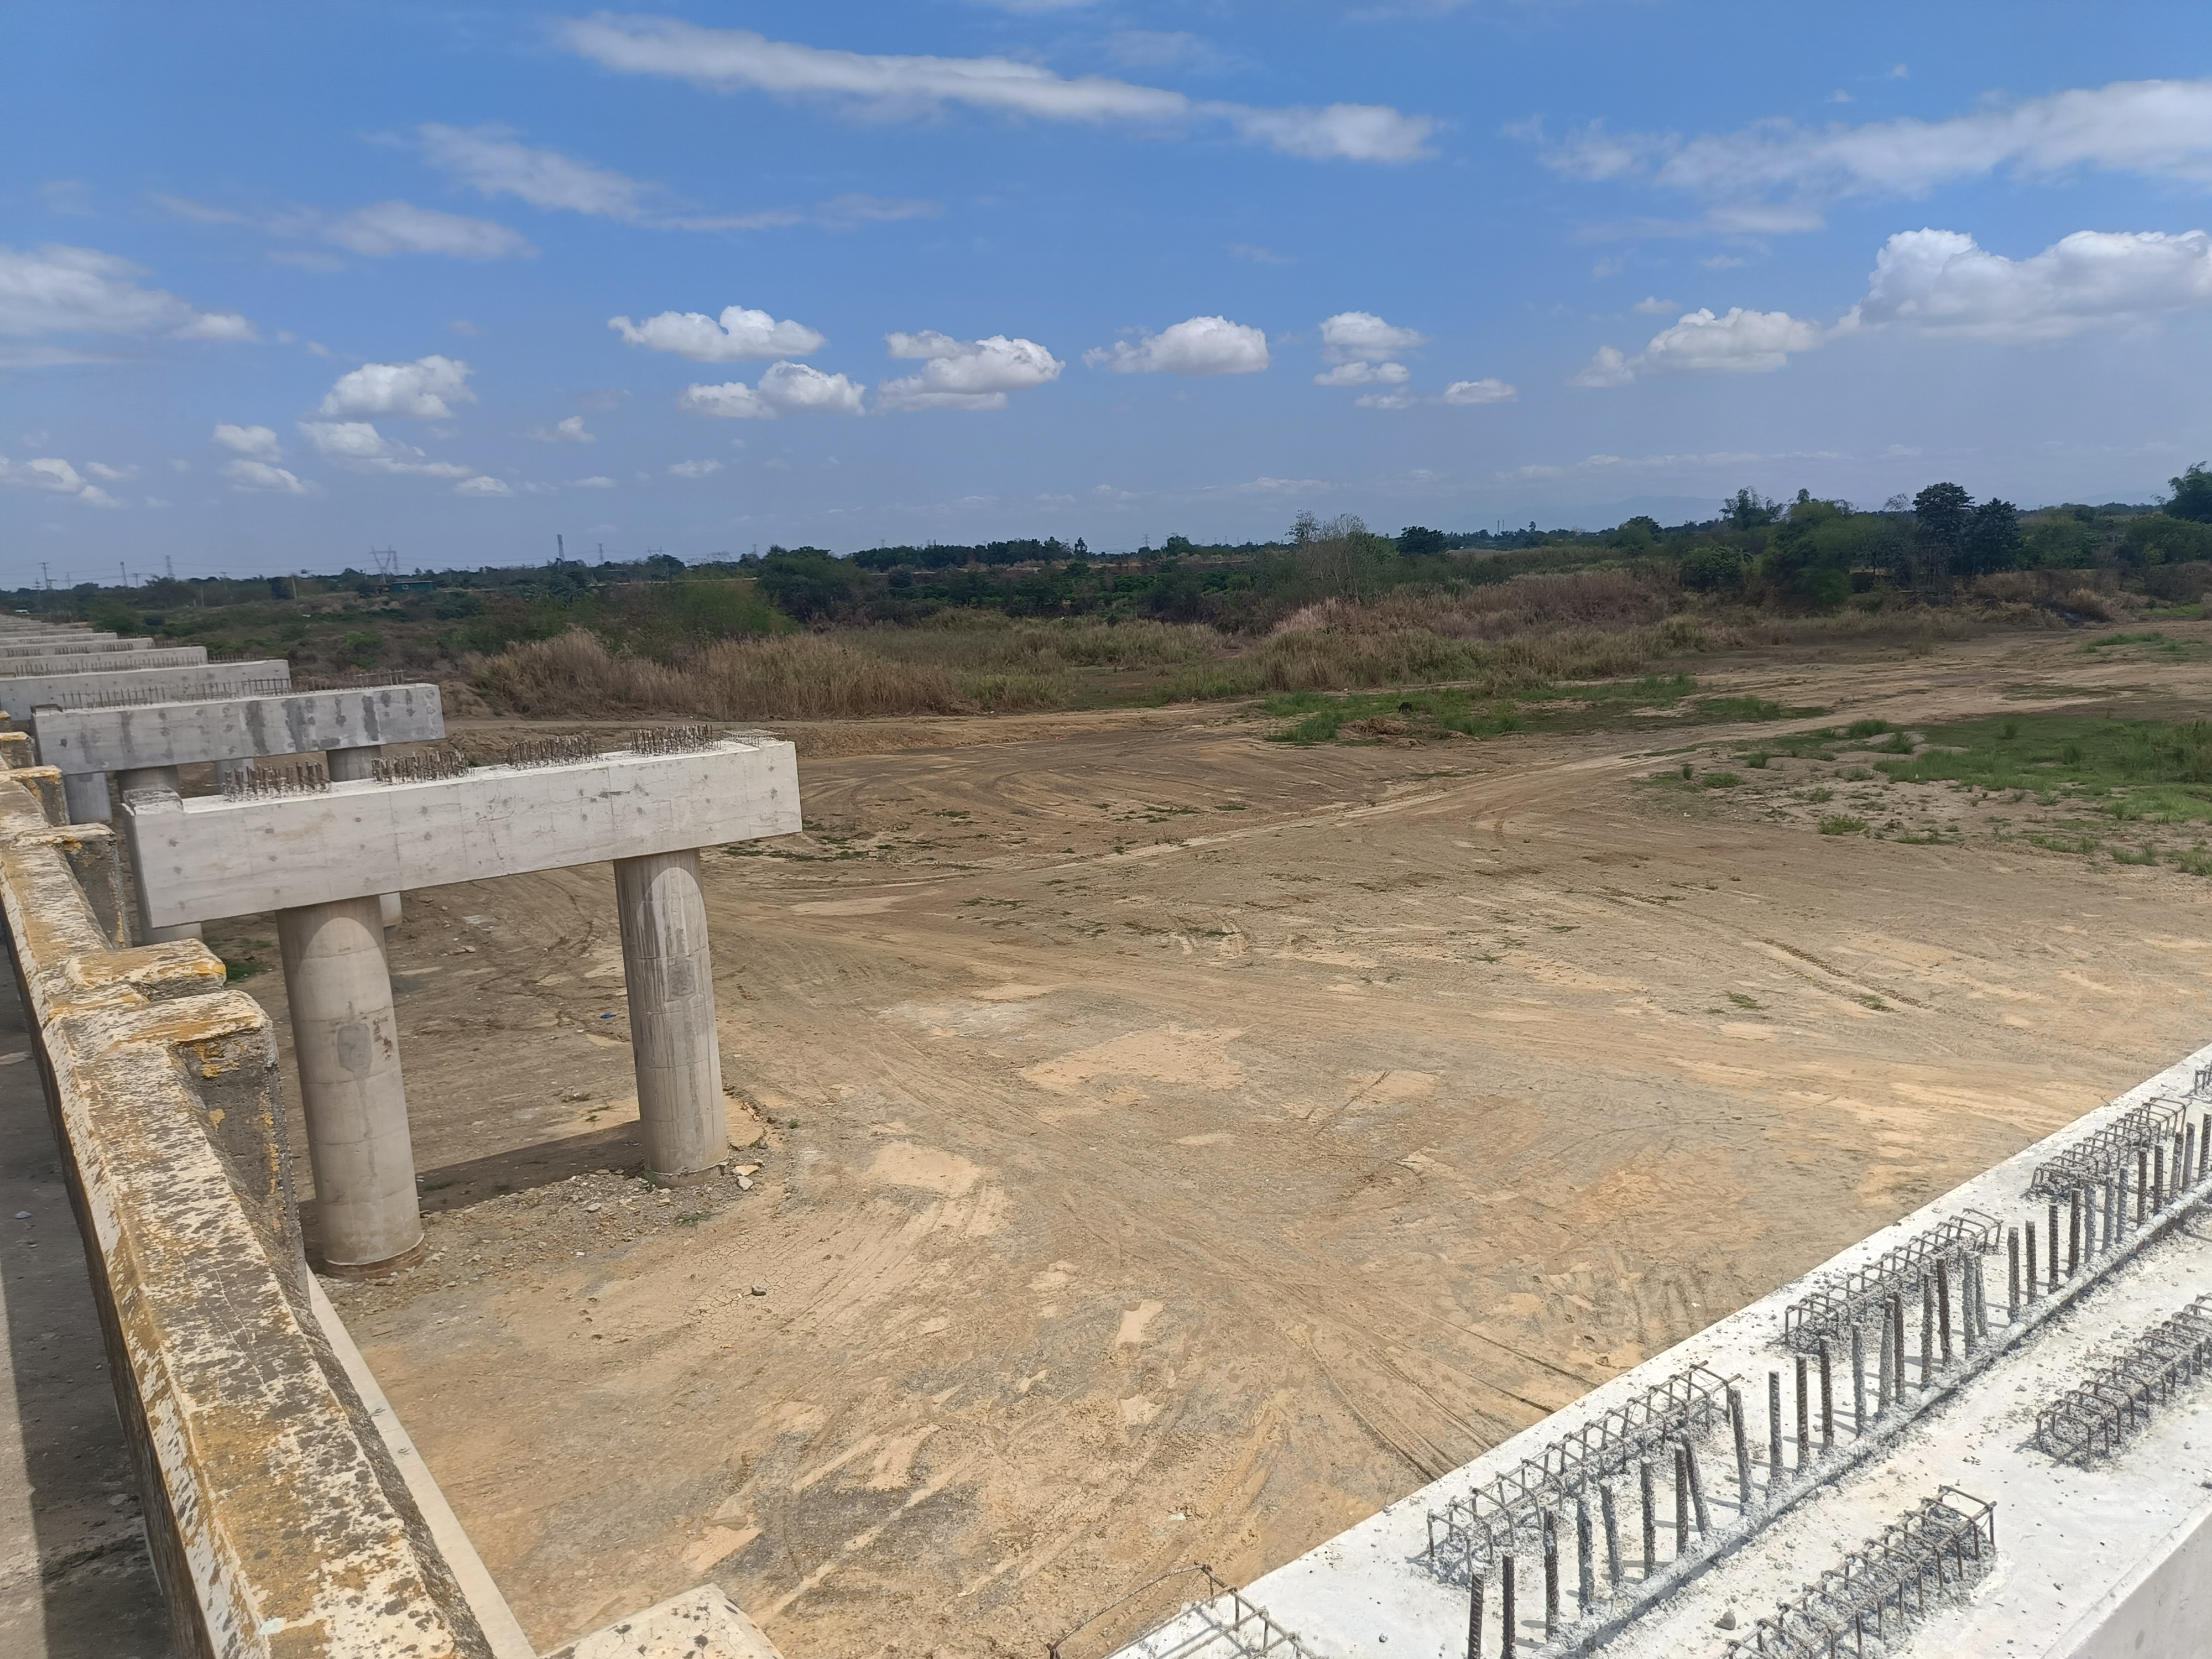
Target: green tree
(1416, 542)
(1810, 556)
(1745, 510)
(1637, 535)
(2160, 538)
(807, 583)
(1942, 511)
(2192, 494)
(1713, 568)
(1991, 540)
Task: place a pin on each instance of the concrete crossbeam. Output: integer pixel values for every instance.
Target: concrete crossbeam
(72, 657)
(23, 689)
(235, 728)
(109, 645)
(212, 857)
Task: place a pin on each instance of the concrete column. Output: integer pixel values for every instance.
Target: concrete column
(671, 983)
(347, 1042)
(156, 777)
(84, 794)
(344, 765)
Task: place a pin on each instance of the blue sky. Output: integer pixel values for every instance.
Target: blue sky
(279, 284)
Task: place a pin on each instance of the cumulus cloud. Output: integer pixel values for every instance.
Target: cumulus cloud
(423, 389)
(694, 469)
(2155, 129)
(885, 86)
(256, 443)
(1360, 374)
(390, 228)
(598, 481)
(567, 431)
(482, 485)
(1200, 345)
(1360, 337)
(1652, 305)
(739, 336)
(973, 374)
(108, 474)
(784, 389)
(1491, 391)
(54, 289)
(1942, 282)
(53, 476)
(1385, 400)
(260, 478)
(358, 445)
(1740, 341)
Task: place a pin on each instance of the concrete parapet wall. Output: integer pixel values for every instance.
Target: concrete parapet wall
(279, 1523)
(74, 644)
(23, 688)
(92, 656)
(79, 740)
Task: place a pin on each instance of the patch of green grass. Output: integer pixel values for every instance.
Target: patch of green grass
(2127, 769)
(1747, 708)
(2169, 647)
(1376, 715)
(1756, 759)
(1874, 1003)
(1868, 728)
(2145, 854)
(1652, 688)
(1900, 743)
(1743, 1002)
(2197, 862)
(1720, 780)
(235, 968)
(1840, 823)
(1818, 797)
(1855, 775)
(2085, 845)
(692, 1220)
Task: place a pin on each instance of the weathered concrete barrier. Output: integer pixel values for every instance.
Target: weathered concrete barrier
(278, 1522)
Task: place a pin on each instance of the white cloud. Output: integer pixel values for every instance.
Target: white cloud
(694, 469)
(1352, 336)
(260, 478)
(2157, 128)
(885, 86)
(1385, 400)
(358, 444)
(1200, 345)
(80, 290)
(1652, 305)
(489, 158)
(1364, 375)
(1491, 391)
(1941, 282)
(1167, 49)
(390, 228)
(421, 389)
(740, 335)
(108, 474)
(1739, 341)
(55, 477)
(972, 375)
(482, 485)
(598, 481)
(256, 443)
(784, 389)
(567, 431)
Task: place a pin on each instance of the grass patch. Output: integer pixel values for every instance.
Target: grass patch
(2128, 769)
(1748, 708)
(1840, 823)
(1819, 797)
(1375, 717)
(235, 968)
(1720, 780)
(2144, 854)
(1743, 1002)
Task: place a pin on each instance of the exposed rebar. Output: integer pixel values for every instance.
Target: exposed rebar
(1858, 1380)
(1610, 1515)
(1742, 1451)
(671, 739)
(261, 782)
(432, 766)
(1650, 1521)
(1943, 1308)
(552, 752)
(1804, 1416)
(1551, 1576)
(1585, 1559)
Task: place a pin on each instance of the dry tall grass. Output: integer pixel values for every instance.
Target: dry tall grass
(802, 676)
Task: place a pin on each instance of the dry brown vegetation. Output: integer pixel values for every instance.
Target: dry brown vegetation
(1504, 637)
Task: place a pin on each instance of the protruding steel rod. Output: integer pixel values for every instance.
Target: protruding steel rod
(2142, 1183)
(2089, 1202)
(1927, 1330)
(1505, 1577)
(1897, 1325)
(1682, 1502)
(1697, 1489)
(1585, 1558)
(1827, 1399)
(1650, 1521)
(1611, 1519)
(2012, 1260)
(1742, 1450)
(1804, 1416)
(1474, 1618)
(2158, 1177)
(1773, 1434)
(2073, 1232)
(2031, 1261)
(1858, 1380)
(1943, 1307)
(1888, 1364)
(2125, 1189)
(1551, 1576)
(2051, 1278)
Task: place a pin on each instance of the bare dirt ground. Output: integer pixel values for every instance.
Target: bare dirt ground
(1173, 1146)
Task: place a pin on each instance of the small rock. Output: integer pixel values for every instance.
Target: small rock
(591, 1209)
(760, 1289)
(744, 1183)
(22, 1215)
(1726, 1621)
(748, 1169)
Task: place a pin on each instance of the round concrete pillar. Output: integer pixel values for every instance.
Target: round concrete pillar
(671, 981)
(345, 766)
(85, 797)
(156, 777)
(347, 1043)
